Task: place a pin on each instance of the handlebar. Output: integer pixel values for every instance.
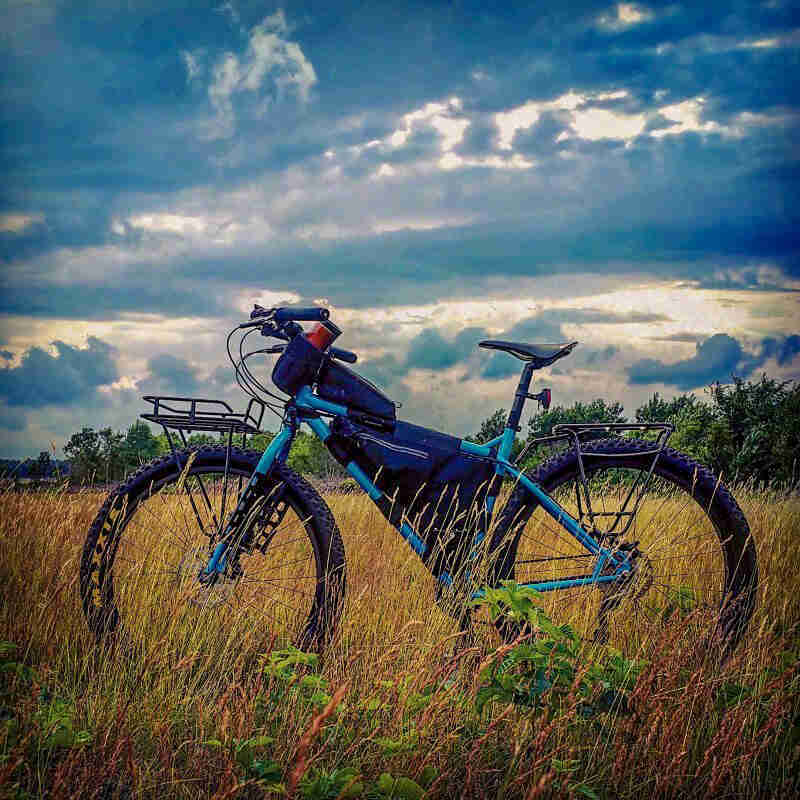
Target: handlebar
(289, 314)
(260, 316)
(342, 355)
(286, 314)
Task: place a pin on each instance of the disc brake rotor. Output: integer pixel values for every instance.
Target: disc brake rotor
(207, 594)
(259, 532)
(633, 585)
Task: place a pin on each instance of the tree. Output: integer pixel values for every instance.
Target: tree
(542, 424)
(762, 422)
(140, 445)
(598, 410)
(260, 441)
(310, 456)
(656, 409)
(113, 455)
(84, 452)
(201, 439)
(698, 433)
(41, 467)
(490, 428)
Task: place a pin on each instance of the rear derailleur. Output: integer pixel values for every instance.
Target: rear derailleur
(634, 584)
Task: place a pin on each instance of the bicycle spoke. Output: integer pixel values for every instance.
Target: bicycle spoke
(263, 571)
(289, 590)
(171, 530)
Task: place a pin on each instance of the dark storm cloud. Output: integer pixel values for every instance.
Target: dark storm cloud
(170, 374)
(430, 350)
(119, 114)
(93, 302)
(540, 138)
(72, 375)
(717, 359)
(480, 138)
(122, 111)
(384, 370)
(684, 336)
(783, 351)
(546, 327)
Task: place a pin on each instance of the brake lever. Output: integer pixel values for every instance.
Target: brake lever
(268, 329)
(260, 311)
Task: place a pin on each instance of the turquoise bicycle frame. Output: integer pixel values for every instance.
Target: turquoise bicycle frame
(309, 406)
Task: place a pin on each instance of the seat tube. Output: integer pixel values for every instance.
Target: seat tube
(519, 398)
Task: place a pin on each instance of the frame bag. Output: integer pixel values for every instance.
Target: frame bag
(426, 480)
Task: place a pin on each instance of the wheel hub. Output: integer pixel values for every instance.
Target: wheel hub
(204, 590)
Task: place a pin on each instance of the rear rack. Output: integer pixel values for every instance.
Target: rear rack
(186, 414)
(617, 522)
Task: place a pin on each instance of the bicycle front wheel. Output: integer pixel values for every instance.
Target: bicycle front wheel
(145, 553)
(693, 557)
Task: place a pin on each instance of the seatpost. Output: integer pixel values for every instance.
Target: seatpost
(520, 397)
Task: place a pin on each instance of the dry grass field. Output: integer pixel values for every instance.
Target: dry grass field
(396, 707)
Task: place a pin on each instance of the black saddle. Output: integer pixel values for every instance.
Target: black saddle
(540, 355)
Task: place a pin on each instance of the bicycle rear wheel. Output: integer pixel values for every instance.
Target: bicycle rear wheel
(145, 552)
(696, 560)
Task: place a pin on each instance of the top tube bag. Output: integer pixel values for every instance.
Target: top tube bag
(301, 364)
(426, 479)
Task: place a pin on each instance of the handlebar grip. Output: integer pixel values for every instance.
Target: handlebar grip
(301, 314)
(343, 355)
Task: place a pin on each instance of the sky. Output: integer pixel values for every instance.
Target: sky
(620, 174)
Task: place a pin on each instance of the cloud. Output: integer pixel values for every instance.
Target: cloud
(272, 69)
(70, 376)
(171, 375)
(12, 419)
(681, 336)
(783, 351)
(383, 371)
(717, 359)
(165, 162)
(17, 223)
(430, 350)
(223, 377)
(546, 327)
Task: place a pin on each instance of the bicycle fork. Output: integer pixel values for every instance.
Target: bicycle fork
(275, 453)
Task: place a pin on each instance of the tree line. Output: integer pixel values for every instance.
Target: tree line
(106, 456)
(745, 431)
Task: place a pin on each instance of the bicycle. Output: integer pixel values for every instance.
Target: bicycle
(235, 532)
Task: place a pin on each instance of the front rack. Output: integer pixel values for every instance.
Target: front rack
(186, 414)
(617, 523)
(198, 414)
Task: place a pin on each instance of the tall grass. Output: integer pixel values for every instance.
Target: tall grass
(389, 710)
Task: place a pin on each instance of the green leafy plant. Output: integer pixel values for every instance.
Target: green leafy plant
(387, 787)
(56, 721)
(248, 754)
(542, 669)
(320, 784)
(682, 601)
